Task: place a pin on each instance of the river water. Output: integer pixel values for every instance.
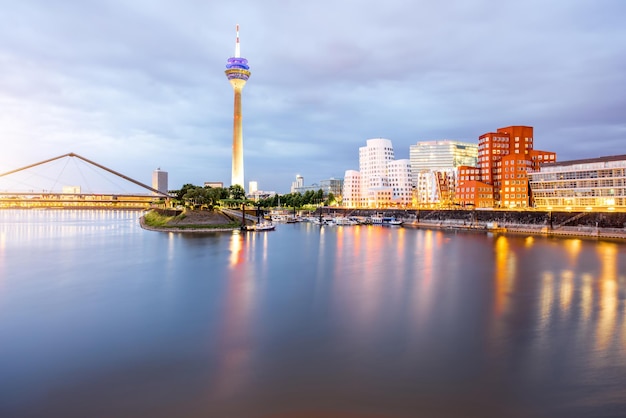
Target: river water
(99, 318)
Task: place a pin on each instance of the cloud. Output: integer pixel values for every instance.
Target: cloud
(140, 84)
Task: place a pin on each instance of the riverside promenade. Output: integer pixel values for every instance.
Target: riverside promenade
(524, 229)
(588, 224)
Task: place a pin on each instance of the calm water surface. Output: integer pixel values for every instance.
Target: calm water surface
(99, 318)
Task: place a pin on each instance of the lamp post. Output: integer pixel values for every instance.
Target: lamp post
(243, 215)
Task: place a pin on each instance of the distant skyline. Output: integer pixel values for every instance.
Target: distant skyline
(140, 85)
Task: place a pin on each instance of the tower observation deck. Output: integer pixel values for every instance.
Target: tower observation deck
(237, 72)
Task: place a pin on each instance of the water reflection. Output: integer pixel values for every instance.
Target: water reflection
(608, 295)
(235, 341)
(505, 272)
(28, 225)
(306, 317)
(566, 291)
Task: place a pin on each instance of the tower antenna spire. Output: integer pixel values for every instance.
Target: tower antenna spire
(237, 48)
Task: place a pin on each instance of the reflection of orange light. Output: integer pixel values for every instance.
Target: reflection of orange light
(547, 296)
(235, 347)
(608, 294)
(608, 257)
(504, 273)
(573, 247)
(236, 245)
(428, 256)
(586, 301)
(367, 289)
(529, 241)
(356, 242)
(400, 247)
(567, 290)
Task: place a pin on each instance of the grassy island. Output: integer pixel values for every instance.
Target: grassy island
(188, 220)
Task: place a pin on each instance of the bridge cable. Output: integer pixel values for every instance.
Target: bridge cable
(99, 171)
(80, 172)
(60, 174)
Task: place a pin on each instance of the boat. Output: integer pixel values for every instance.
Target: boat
(261, 226)
(341, 221)
(385, 220)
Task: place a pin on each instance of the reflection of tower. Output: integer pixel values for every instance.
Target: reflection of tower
(237, 71)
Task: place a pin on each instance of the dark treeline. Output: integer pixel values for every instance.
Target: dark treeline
(197, 196)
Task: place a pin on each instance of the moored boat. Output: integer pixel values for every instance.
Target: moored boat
(261, 226)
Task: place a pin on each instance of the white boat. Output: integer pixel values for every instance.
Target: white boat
(339, 221)
(261, 226)
(395, 222)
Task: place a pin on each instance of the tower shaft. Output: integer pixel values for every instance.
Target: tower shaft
(237, 165)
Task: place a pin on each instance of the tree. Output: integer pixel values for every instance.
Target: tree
(183, 190)
(307, 199)
(237, 192)
(196, 196)
(330, 200)
(319, 196)
(213, 196)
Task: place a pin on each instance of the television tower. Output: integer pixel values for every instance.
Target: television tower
(237, 71)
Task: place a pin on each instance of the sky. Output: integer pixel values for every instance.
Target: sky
(139, 85)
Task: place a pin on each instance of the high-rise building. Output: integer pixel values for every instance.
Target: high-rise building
(237, 72)
(434, 165)
(253, 187)
(504, 158)
(298, 184)
(373, 159)
(159, 180)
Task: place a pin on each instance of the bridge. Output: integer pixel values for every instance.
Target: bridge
(32, 187)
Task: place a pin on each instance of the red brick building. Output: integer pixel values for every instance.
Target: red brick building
(471, 191)
(504, 157)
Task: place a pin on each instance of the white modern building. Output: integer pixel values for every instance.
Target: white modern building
(401, 182)
(298, 184)
(382, 180)
(352, 189)
(253, 187)
(373, 159)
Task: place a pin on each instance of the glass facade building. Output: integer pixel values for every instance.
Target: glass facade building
(434, 166)
(595, 183)
(433, 155)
